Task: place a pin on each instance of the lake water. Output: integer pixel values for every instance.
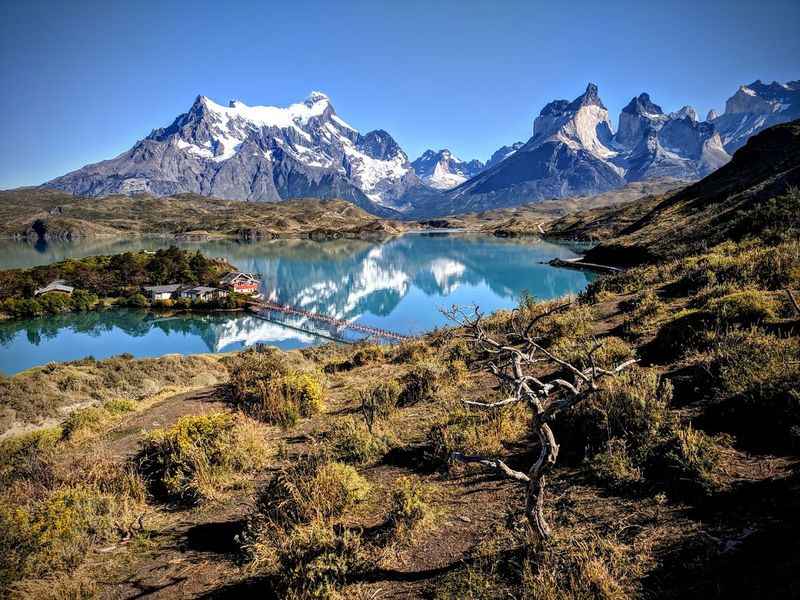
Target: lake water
(400, 285)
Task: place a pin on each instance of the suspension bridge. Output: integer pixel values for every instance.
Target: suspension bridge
(264, 308)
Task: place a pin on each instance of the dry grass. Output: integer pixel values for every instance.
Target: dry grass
(51, 390)
(202, 457)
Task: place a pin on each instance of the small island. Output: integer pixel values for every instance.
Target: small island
(170, 278)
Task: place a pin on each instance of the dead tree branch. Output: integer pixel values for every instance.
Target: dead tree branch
(508, 358)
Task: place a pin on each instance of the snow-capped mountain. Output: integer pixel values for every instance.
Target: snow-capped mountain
(442, 170)
(652, 144)
(574, 151)
(569, 154)
(263, 153)
(755, 107)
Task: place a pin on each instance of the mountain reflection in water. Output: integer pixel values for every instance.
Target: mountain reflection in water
(398, 285)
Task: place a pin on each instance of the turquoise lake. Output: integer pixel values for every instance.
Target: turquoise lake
(400, 285)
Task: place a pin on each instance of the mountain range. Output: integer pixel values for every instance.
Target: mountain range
(267, 153)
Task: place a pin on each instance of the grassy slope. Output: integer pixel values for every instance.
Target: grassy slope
(67, 216)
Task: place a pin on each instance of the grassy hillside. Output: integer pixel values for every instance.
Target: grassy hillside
(35, 212)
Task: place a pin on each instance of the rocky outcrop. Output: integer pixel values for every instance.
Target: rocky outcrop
(755, 107)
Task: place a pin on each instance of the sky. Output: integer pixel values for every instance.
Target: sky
(83, 81)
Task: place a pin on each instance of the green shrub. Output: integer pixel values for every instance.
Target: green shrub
(743, 308)
(410, 508)
(379, 401)
(263, 386)
(483, 433)
(349, 440)
(615, 466)
(411, 351)
(314, 487)
(201, 456)
(694, 461)
(645, 311)
(753, 378)
(422, 383)
(85, 420)
(93, 419)
(29, 456)
(305, 391)
(579, 568)
(633, 406)
(315, 560)
(52, 534)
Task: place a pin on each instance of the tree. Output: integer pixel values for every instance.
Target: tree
(520, 360)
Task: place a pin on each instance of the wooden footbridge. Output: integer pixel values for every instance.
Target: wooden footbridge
(263, 308)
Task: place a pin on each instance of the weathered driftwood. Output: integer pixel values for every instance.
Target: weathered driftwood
(508, 361)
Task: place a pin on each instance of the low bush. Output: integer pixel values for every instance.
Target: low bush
(484, 433)
(410, 508)
(583, 567)
(753, 378)
(313, 487)
(634, 407)
(93, 419)
(54, 533)
(615, 466)
(263, 385)
(351, 441)
(743, 308)
(645, 311)
(421, 383)
(201, 456)
(412, 351)
(314, 561)
(693, 461)
(29, 456)
(379, 401)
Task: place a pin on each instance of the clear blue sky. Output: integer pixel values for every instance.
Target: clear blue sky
(82, 81)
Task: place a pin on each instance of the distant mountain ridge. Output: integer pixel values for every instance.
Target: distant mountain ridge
(268, 153)
(442, 170)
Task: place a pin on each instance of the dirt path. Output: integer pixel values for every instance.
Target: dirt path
(124, 439)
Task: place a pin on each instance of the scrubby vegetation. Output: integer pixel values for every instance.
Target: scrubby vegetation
(201, 457)
(265, 386)
(50, 390)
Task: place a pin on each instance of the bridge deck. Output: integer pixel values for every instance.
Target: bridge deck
(337, 323)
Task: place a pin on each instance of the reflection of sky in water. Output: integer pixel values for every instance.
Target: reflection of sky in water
(399, 285)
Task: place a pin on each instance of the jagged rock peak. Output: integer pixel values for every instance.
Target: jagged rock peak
(712, 114)
(588, 98)
(642, 105)
(686, 112)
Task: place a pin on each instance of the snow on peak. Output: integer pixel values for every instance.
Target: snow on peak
(315, 97)
(686, 112)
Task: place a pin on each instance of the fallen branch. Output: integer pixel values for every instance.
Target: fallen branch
(494, 463)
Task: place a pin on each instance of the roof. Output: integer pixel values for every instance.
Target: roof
(59, 285)
(236, 275)
(200, 289)
(163, 289)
